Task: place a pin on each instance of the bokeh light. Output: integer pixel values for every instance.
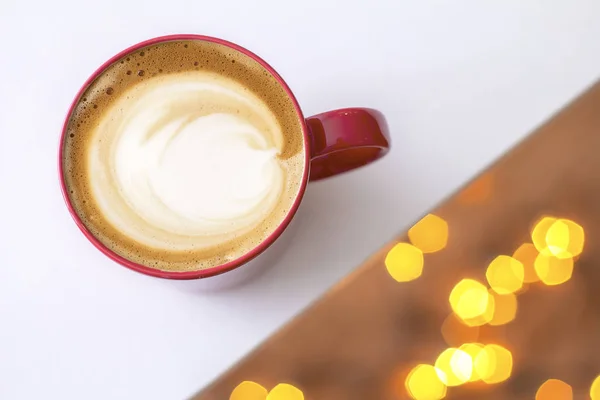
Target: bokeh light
(539, 232)
(565, 239)
(595, 389)
(404, 262)
(553, 271)
(526, 254)
(471, 302)
(554, 389)
(505, 275)
(455, 332)
(505, 308)
(454, 367)
(473, 350)
(484, 318)
(493, 364)
(248, 390)
(430, 234)
(559, 237)
(423, 383)
(285, 391)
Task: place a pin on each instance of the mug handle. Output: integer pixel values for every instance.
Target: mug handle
(345, 139)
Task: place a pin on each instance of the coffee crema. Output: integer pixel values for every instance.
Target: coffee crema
(183, 155)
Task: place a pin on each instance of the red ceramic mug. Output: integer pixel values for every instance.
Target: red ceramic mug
(335, 142)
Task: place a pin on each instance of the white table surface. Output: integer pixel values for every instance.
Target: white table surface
(460, 82)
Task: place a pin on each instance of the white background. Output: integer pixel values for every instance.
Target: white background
(460, 82)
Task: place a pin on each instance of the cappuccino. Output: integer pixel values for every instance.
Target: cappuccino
(184, 155)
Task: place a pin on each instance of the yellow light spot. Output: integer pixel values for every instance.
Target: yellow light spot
(423, 383)
(505, 308)
(505, 275)
(471, 302)
(486, 317)
(526, 254)
(473, 350)
(553, 271)
(454, 367)
(493, 364)
(285, 391)
(430, 234)
(539, 232)
(404, 262)
(554, 389)
(557, 238)
(565, 239)
(561, 238)
(456, 332)
(595, 389)
(248, 390)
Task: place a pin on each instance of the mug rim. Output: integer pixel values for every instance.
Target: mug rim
(201, 273)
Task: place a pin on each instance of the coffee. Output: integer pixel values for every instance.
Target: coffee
(184, 155)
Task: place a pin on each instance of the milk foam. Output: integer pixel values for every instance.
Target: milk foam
(191, 158)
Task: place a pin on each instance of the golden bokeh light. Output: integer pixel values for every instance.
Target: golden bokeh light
(471, 302)
(430, 234)
(539, 232)
(285, 391)
(553, 271)
(473, 350)
(560, 237)
(595, 389)
(454, 367)
(565, 239)
(455, 332)
(554, 389)
(526, 254)
(557, 239)
(505, 275)
(248, 390)
(493, 364)
(484, 318)
(423, 383)
(505, 308)
(404, 262)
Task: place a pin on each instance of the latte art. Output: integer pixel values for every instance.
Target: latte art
(178, 160)
(184, 155)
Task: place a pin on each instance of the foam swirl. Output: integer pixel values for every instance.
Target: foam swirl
(187, 161)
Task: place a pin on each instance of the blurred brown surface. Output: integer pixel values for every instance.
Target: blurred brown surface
(359, 341)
